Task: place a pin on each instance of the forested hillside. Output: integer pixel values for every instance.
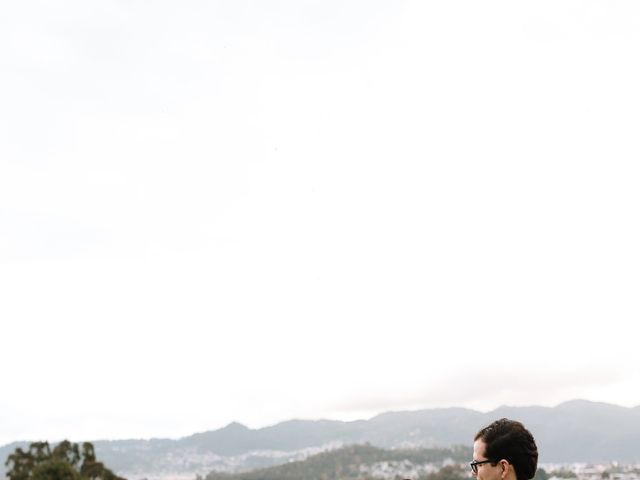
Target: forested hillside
(365, 462)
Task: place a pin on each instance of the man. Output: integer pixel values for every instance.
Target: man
(504, 450)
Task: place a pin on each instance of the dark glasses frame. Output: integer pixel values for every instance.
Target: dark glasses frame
(475, 463)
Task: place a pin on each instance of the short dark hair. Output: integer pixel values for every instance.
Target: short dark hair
(509, 440)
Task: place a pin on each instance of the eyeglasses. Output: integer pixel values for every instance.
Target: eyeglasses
(475, 463)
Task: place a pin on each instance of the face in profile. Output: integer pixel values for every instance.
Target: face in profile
(481, 467)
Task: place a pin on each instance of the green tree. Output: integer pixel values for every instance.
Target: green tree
(64, 462)
(54, 469)
(563, 473)
(449, 472)
(541, 474)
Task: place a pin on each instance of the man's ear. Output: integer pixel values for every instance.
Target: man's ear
(505, 468)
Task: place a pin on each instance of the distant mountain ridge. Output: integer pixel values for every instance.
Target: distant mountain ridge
(575, 431)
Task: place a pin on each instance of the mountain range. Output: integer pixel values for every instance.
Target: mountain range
(575, 431)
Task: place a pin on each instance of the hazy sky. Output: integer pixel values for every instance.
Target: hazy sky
(257, 210)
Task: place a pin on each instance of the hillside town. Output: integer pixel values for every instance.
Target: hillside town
(595, 471)
(405, 469)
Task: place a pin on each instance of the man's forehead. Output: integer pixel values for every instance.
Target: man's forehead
(478, 449)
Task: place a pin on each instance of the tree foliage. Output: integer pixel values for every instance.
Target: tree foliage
(449, 472)
(541, 474)
(563, 473)
(67, 461)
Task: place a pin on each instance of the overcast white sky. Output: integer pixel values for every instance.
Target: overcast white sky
(257, 210)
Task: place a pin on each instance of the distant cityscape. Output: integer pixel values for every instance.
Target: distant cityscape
(598, 471)
(390, 470)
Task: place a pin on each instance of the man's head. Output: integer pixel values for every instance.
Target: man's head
(504, 450)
